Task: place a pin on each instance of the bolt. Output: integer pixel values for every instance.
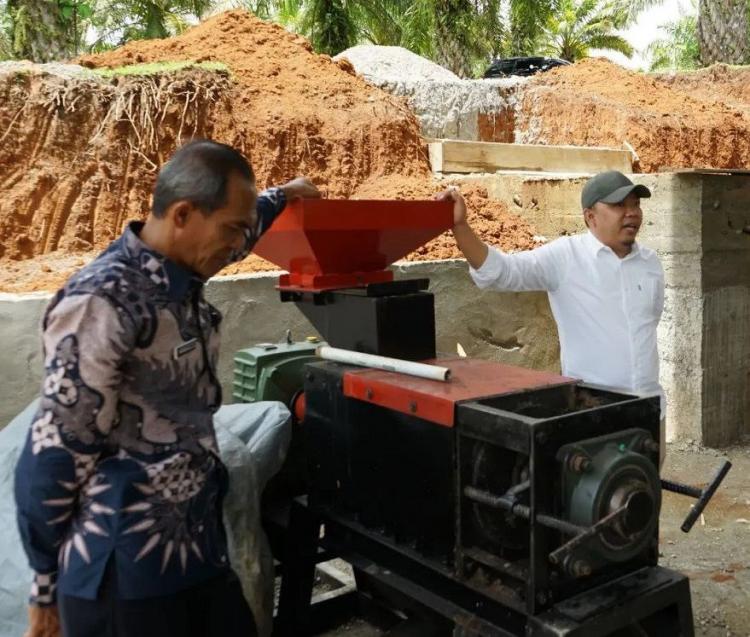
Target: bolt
(309, 377)
(368, 393)
(413, 406)
(541, 438)
(579, 463)
(541, 597)
(650, 446)
(580, 568)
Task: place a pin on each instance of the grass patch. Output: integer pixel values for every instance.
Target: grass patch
(156, 68)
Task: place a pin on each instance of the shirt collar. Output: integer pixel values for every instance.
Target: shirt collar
(595, 247)
(168, 276)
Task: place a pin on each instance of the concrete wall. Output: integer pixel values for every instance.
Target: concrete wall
(725, 342)
(21, 360)
(513, 328)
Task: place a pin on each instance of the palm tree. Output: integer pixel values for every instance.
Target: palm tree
(456, 33)
(118, 21)
(38, 30)
(723, 30)
(578, 26)
(464, 31)
(331, 25)
(6, 32)
(525, 22)
(679, 49)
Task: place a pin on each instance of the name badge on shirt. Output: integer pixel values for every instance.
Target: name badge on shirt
(185, 348)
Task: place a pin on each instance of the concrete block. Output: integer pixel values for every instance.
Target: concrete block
(512, 328)
(252, 314)
(21, 363)
(726, 365)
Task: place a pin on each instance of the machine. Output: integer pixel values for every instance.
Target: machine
(503, 501)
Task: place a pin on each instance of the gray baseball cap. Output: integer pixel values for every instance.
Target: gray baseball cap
(610, 187)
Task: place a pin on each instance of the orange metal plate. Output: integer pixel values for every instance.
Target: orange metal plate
(436, 401)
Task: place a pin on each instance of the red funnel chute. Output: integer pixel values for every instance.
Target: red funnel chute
(329, 243)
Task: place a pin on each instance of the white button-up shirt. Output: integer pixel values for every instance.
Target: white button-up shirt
(606, 308)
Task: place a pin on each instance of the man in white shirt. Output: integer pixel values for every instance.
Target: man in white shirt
(606, 291)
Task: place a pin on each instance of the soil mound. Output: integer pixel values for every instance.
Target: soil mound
(728, 84)
(297, 112)
(598, 103)
(82, 151)
(78, 153)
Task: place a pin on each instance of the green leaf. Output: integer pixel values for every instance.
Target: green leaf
(85, 10)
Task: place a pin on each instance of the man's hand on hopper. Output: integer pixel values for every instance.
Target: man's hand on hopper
(301, 188)
(459, 205)
(472, 247)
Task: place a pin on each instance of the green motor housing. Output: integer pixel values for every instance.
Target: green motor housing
(272, 371)
(275, 371)
(603, 474)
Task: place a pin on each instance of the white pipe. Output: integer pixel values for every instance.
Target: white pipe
(432, 372)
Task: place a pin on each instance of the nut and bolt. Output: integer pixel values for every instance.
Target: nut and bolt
(579, 463)
(580, 568)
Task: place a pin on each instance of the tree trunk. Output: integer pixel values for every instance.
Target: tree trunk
(39, 31)
(723, 31)
(450, 48)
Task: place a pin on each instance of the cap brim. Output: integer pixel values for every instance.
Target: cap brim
(619, 195)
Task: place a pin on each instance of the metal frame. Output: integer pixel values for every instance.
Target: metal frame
(656, 597)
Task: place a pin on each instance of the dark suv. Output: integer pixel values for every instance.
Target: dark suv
(522, 66)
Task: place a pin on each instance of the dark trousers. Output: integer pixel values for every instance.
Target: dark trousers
(216, 608)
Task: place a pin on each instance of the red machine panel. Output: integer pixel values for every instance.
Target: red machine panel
(330, 243)
(436, 401)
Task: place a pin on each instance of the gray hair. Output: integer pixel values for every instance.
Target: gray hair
(198, 172)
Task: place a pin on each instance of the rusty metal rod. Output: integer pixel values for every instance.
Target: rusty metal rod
(682, 489)
(522, 511)
(705, 496)
(556, 557)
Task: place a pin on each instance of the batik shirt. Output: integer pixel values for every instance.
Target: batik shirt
(121, 460)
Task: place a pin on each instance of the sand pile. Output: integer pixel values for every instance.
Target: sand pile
(78, 152)
(598, 103)
(728, 84)
(395, 64)
(447, 106)
(297, 112)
